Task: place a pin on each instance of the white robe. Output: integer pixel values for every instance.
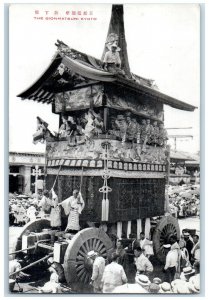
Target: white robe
(73, 209)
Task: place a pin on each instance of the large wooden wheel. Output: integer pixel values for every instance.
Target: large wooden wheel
(77, 264)
(166, 227)
(33, 226)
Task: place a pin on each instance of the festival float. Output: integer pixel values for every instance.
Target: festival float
(111, 145)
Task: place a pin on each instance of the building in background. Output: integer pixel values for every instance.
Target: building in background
(184, 168)
(22, 166)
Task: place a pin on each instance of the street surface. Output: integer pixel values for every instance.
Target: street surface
(29, 287)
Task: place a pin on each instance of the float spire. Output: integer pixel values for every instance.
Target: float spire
(116, 34)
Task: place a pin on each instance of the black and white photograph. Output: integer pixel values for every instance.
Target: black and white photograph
(104, 149)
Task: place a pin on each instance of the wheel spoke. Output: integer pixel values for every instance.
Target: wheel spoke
(82, 253)
(94, 244)
(80, 267)
(103, 250)
(97, 245)
(83, 276)
(80, 272)
(91, 244)
(100, 247)
(86, 278)
(79, 257)
(87, 246)
(83, 247)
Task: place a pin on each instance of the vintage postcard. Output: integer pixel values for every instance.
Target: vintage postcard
(104, 149)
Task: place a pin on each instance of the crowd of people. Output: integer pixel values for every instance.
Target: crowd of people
(184, 201)
(45, 205)
(130, 269)
(23, 209)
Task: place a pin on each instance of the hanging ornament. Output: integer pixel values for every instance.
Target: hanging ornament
(105, 189)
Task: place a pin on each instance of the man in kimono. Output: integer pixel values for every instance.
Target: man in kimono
(73, 207)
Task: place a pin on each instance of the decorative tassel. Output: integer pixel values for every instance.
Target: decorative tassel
(103, 209)
(107, 210)
(105, 189)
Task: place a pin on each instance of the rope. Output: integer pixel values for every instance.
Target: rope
(105, 189)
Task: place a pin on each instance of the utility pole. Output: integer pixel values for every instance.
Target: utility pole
(179, 136)
(36, 173)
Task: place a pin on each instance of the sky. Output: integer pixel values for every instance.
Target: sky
(162, 43)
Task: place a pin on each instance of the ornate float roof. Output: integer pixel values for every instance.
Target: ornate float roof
(71, 69)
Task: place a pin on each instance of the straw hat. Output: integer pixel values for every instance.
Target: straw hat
(188, 271)
(165, 287)
(157, 280)
(143, 280)
(92, 254)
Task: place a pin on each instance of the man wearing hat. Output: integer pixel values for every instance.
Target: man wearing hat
(171, 263)
(187, 273)
(143, 281)
(165, 288)
(98, 270)
(157, 280)
(112, 61)
(189, 244)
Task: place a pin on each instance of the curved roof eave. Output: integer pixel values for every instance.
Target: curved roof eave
(90, 72)
(44, 76)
